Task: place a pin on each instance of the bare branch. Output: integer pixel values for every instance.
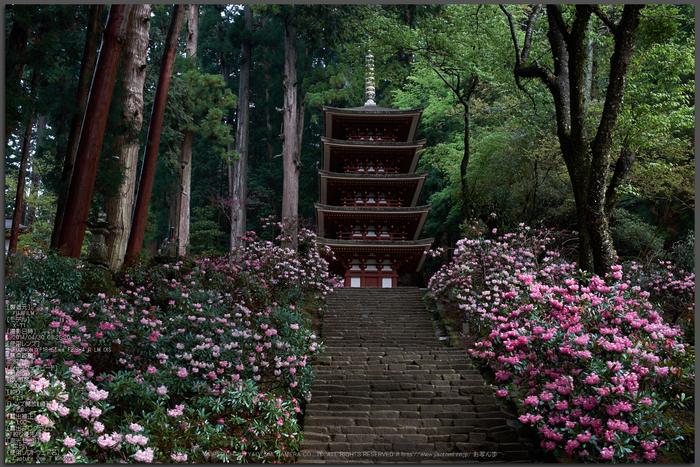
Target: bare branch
(521, 70)
(623, 166)
(449, 85)
(529, 30)
(604, 18)
(518, 60)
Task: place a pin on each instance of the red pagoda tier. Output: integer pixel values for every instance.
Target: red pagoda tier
(368, 213)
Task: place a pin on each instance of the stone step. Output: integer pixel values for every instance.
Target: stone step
(388, 390)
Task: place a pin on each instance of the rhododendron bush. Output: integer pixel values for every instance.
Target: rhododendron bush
(197, 361)
(591, 361)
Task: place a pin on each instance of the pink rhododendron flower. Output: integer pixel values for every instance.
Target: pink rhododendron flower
(592, 379)
(144, 455)
(135, 427)
(531, 400)
(607, 453)
(43, 420)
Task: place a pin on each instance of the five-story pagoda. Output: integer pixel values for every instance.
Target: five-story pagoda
(368, 213)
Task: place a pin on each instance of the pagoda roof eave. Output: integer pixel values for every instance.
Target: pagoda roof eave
(371, 110)
(378, 147)
(422, 245)
(376, 244)
(378, 144)
(422, 211)
(413, 180)
(344, 209)
(372, 177)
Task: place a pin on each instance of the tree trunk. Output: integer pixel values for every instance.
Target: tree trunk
(268, 121)
(601, 241)
(34, 175)
(70, 239)
(463, 166)
(87, 70)
(134, 76)
(182, 233)
(290, 150)
(183, 205)
(239, 187)
(464, 95)
(138, 226)
(19, 197)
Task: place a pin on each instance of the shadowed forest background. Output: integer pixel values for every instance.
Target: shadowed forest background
(493, 152)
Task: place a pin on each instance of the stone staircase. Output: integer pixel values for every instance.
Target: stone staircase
(387, 390)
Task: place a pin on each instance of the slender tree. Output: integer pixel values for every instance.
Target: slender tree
(87, 70)
(239, 179)
(184, 188)
(588, 159)
(138, 226)
(291, 159)
(118, 207)
(70, 238)
(34, 174)
(19, 197)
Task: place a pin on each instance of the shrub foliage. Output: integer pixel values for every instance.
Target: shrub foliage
(197, 361)
(591, 361)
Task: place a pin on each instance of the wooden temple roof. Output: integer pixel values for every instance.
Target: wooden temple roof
(412, 252)
(331, 217)
(337, 154)
(370, 121)
(333, 184)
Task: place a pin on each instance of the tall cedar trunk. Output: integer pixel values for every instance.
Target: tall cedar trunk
(184, 190)
(16, 59)
(268, 121)
(70, 239)
(587, 162)
(300, 118)
(290, 150)
(183, 194)
(134, 76)
(87, 70)
(34, 175)
(239, 190)
(19, 197)
(138, 226)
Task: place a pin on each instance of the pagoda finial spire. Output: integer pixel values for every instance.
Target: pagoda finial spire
(369, 81)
